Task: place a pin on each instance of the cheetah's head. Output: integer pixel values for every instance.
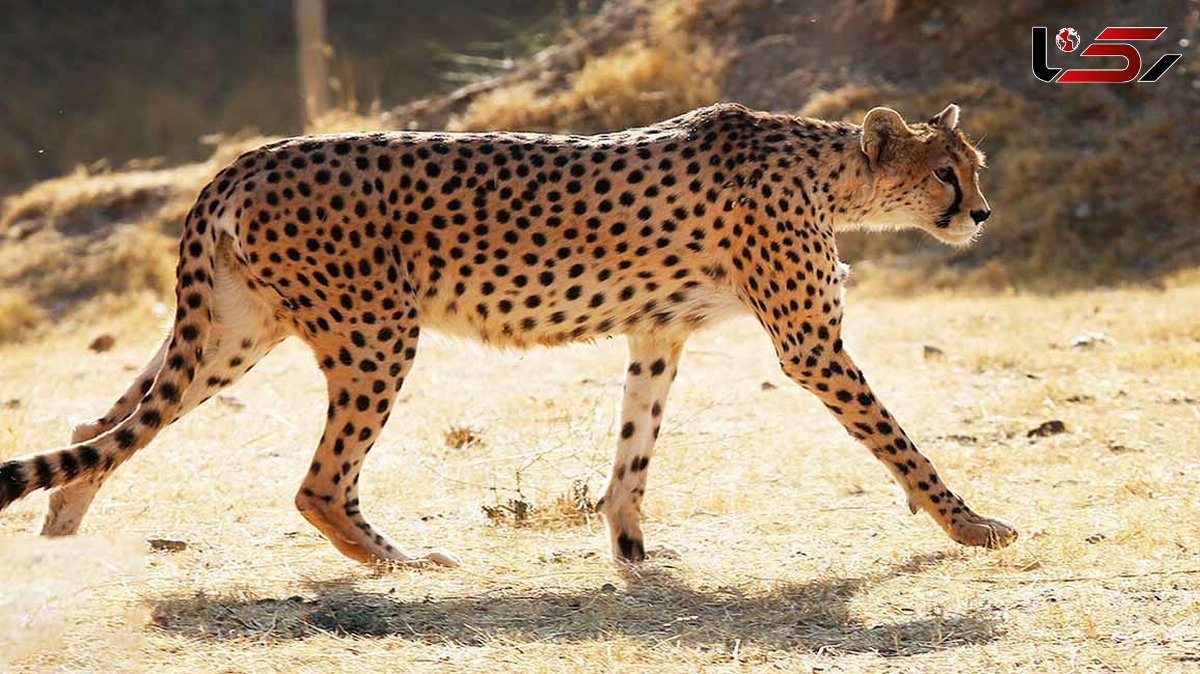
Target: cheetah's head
(925, 175)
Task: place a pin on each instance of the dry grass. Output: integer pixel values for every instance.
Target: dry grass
(672, 69)
(19, 315)
(96, 233)
(792, 548)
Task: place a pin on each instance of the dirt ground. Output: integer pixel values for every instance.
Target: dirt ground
(778, 543)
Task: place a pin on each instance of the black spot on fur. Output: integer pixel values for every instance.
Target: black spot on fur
(68, 464)
(126, 438)
(44, 471)
(89, 457)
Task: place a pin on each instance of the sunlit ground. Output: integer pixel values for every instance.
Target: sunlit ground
(780, 542)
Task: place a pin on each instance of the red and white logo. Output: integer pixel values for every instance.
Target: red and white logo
(1112, 42)
(1067, 39)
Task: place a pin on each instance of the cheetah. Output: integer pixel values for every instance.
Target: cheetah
(356, 243)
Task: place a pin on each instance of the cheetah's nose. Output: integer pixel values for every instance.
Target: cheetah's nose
(980, 215)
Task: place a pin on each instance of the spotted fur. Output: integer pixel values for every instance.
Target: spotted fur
(356, 243)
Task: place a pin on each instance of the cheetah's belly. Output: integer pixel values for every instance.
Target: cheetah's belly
(606, 310)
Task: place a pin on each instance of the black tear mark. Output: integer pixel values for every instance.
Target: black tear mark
(955, 207)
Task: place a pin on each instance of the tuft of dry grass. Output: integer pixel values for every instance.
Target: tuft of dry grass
(462, 437)
(571, 508)
(793, 549)
(19, 315)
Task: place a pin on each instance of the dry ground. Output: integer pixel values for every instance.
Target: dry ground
(782, 544)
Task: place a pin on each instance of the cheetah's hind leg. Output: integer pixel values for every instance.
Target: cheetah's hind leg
(244, 330)
(69, 504)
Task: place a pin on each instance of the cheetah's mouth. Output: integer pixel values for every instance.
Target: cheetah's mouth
(957, 236)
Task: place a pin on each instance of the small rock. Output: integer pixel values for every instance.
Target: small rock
(768, 386)
(294, 599)
(932, 27)
(231, 401)
(962, 438)
(663, 552)
(1095, 538)
(1087, 340)
(102, 343)
(1048, 428)
(167, 545)
(932, 352)
(1081, 398)
(608, 588)
(12, 403)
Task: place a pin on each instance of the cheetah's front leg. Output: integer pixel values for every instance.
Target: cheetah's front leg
(653, 362)
(825, 369)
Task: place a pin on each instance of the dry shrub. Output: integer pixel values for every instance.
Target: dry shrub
(346, 114)
(646, 82)
(843, 103)
(343, 120)
(462, 437)
(667, 71)
(572, 508)
(19, 314)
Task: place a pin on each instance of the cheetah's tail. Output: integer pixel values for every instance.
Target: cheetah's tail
(159, 407)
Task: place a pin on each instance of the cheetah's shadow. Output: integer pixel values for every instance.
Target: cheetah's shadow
(653, 607)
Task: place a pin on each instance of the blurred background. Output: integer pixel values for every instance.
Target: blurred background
(115, 113)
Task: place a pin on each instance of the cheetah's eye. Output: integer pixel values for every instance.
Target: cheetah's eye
(944, 174)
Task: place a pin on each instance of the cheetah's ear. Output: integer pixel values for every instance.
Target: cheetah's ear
(881, 127)
(947, 118)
